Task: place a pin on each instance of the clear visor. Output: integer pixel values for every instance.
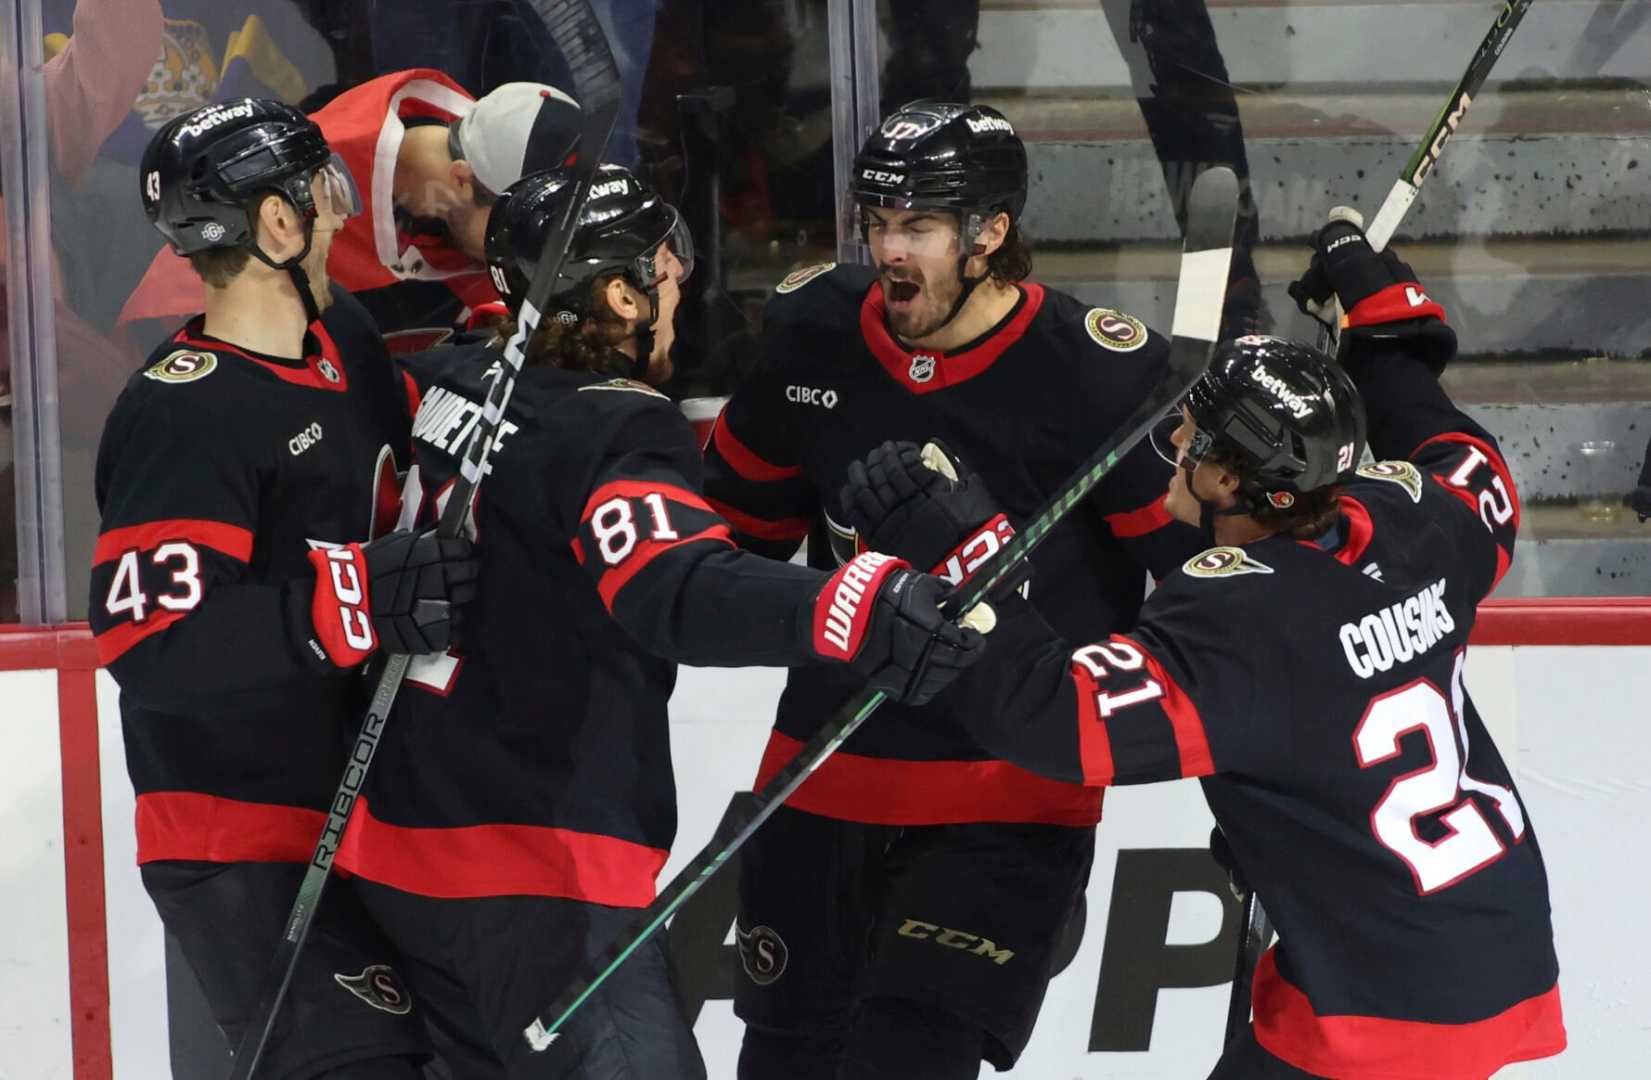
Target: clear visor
(335, 189)
(895, 234)
(674, 258)
(1164, 445)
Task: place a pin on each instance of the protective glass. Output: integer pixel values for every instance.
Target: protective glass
(335, 186)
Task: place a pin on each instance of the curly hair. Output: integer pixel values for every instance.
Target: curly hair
(1012, 261)
(1311, 515)
(581, 336)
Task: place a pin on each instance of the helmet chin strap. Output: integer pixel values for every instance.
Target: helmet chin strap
(295, 271)
(1207, 510)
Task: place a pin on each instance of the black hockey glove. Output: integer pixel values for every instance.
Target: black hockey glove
(1639, 500)
(1378, 291)
(883, 620)
(923, 505)
(401, 593)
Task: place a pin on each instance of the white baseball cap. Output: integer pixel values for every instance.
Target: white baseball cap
(519, 128)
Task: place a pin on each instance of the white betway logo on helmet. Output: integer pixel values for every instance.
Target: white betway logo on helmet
(878, 176)
(982, 124)
(610, 187)
(218, 115)
(1299, 406)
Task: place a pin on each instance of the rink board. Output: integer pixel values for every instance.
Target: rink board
(83, 968)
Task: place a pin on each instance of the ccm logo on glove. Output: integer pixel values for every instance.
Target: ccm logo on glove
(972, 554)
(341, 585)
(843, 610)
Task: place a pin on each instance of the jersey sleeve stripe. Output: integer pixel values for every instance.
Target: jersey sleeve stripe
(114, 642)
(1094, 745)
(744, 460)
(1149, 518)
(794, 528)
(636, 489)
(231, 540)
(1192, 745)
(646, 552)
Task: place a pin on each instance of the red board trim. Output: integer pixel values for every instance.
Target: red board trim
(1564, 620)
(83, 876)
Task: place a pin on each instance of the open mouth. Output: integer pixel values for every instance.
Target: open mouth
(902, 292)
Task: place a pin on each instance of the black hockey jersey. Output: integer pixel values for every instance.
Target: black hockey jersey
(535, 759)
(218, 472)
(1024, 406)
(1317, 689)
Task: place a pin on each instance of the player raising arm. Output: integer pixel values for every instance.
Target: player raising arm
(1308, 668)
(524, 801)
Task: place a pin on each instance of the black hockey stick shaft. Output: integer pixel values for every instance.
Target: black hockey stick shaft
(1252, 942)
(1445, 124)
(1207, 256)
(578, 34)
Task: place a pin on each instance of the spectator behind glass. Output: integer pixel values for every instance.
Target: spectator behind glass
(430, 161)
(90, 80)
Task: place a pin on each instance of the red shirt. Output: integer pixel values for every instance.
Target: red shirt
(364, 126)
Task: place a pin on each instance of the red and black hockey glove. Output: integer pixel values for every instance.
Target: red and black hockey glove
(402, 593)
(922, 505)
(1379, 292)
(883, 620)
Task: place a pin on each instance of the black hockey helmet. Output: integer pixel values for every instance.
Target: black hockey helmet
(620, 229)
(1285, 414)
(938, 155)
(201, 170)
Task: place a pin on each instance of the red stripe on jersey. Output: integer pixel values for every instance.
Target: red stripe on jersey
(1094, 744)
(1492, 456)
(1191, 744)
(1130, 523)
(636, 489)
(210, 828)
(311, 374)
(794, 528)
(889, 791)
(414, 398)
(231, 540)
(646, 552)
(1360, 530)
(1376, 1048)
(113, 642)
(945, 369)
(745, 461)
(473, 861)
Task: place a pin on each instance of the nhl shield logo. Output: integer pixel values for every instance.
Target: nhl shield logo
(328, 372)
(922, 368)
(379, 987)
(182, 367)
(762, 953)
(1220, 562)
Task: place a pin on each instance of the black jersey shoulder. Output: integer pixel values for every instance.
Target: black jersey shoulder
(824, 298)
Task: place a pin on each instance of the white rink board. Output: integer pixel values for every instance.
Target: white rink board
(1571, 721)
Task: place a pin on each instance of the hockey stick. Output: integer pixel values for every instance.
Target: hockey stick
(1252, 941)
(1421, 163)
(1207, 253)
(573, 26)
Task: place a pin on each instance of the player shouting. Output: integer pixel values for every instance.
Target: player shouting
(524, 802)
(1309, 669)
(912, 819)
(235, 586)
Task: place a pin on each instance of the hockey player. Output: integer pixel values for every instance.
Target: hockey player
(912, 819)
(433, 161)
(523, 802)
(1309, 668)
(236, 591)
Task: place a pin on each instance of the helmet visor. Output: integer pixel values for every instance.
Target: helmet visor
(674, 257)
(921, 233)
(335, 189)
